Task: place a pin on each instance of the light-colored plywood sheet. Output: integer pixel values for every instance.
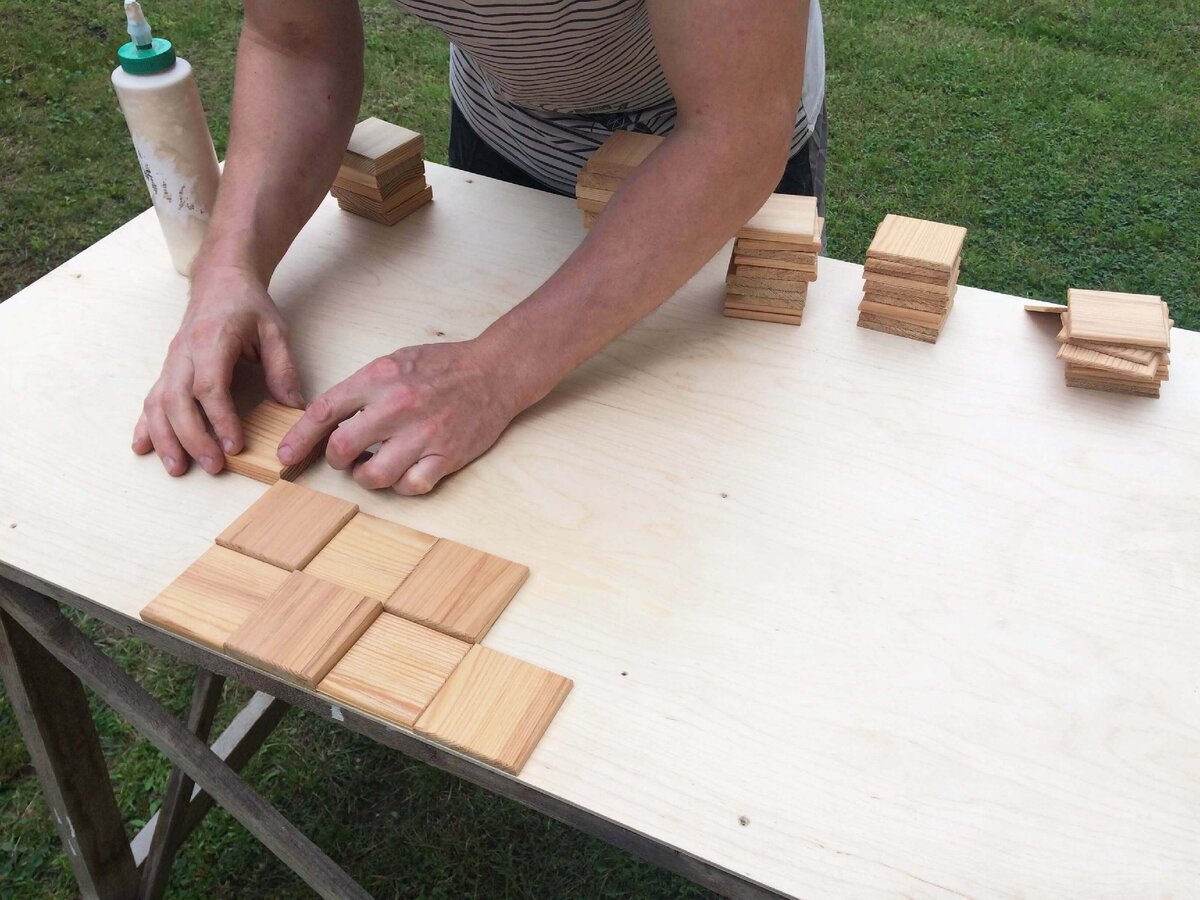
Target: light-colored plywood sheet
(214, 596)
(371, 555)
(303, 628)
(1114, 318)
(784, 219)
(288, 525)
(458, 590)
(495, 707)
(376, 145)
(263, 429)
(394, 669)
(918, 242)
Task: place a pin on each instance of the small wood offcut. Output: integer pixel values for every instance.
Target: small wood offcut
(263, 430)
(382, 176)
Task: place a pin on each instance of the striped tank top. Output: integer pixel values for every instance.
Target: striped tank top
(545, 82)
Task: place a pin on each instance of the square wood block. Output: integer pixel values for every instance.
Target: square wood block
(917, 242)
(371, 556)
(288, 525)
(618, 156)
(495, 707)
(263, 429)
(303, 629)
(458, 590)
(394, 670)
(214, 596)
(376, 145)
(784, 219)
(1139, 320)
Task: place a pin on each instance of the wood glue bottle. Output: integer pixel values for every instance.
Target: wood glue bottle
(158, 95)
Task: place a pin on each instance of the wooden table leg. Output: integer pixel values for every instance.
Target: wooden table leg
(172, 815)
(52, 712)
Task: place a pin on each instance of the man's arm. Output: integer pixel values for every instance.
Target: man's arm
(737, 72)
(297, 92)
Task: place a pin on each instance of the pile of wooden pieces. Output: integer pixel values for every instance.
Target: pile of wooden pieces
(774, 259)
(382, 175)
(604, 171)
(1116, 342)
(911, 276)
(370, 614)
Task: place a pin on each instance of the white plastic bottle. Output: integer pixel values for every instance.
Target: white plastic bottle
(158, 95)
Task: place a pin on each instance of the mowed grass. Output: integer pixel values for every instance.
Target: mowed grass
(1064, 134)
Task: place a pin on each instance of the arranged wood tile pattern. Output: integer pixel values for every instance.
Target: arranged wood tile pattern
(382, 176)
(1115, 342)
(303, 628)
(371, 555)
(495, 708)
(917, 242)
(263, 430)
(458, 590)
(394, 670)
(214, 596)
(288, 525)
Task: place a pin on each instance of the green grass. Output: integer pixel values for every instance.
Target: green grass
(1064, 134)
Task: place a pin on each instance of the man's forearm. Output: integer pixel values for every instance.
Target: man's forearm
(296, 97)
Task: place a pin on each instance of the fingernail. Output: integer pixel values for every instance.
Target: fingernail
(295, 398)
(169, 462)
(227, 444)
(207, 463)
(287, 455)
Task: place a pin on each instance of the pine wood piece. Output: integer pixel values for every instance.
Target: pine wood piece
(1085, 356)
(495, 707)
(903, 314)
(394, 670)
(761, 315)
(376, 187)
(1087, 371)
(1106, 317)
(263, 429)
(791, 295)
(773, 304)
(912, 273)
(288, 525)
(595, 194)
(458, 590)
(618, 156)
(352, 203)
(902, 301)
(1114, 387)
(370, 555)
(909, 287)
(592, 206)
(814, 247)
(302, 630)
(589, 219)
(918, 242)
(385, 203)
(783, 259)
(214, 596)
(590, 179)
(376, 146)
(1045, 308)
(785, 219)
(748, 273)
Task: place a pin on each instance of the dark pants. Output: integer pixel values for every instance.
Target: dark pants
(804, 174)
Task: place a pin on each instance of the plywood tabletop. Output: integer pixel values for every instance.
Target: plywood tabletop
(846, 614)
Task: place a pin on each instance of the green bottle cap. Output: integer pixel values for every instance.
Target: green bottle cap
(158, 57)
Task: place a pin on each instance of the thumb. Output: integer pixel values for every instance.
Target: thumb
(283, 381)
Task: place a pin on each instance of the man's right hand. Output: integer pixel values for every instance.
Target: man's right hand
(229, 317)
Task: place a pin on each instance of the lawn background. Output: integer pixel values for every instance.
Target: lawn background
(1064, 134)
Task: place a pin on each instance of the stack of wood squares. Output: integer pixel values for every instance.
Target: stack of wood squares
(382, 176)
(1116, 342)
(911, 276)
(774, 259)
(604, 171)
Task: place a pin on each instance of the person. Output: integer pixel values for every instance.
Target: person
(736, 88)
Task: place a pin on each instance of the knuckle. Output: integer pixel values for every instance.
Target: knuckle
(375, 480)
(386, 368)
(416, 484)
(206, 387)
(340, 445)
(322, 410)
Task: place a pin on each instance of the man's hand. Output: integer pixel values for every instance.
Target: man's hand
(432, 408)
(229, 317)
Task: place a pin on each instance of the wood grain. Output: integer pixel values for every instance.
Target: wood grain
(907, 286)
(1113, 318)
(263, 429)
(376, 145)
(921, 274)
(618, 156)
(303, 629)
(288, 525)
(394, 669)
(214, 596)
(758, 314)
(495, 707)
(918, 242)
(784, 219)
(458, 590)
(1085, 356)
(902, 314)
(353, 203)
(371, 556)
(1045, 308)
(377, 187)
(898, 327)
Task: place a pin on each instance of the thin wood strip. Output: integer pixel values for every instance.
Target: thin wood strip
(1095, 359)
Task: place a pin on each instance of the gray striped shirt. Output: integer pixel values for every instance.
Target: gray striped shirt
(545, 82)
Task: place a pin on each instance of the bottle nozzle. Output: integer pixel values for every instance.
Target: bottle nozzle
(137, 26)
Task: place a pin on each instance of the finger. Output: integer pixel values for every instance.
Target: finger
(169, 450)
(283, 380)
(384, 469)
(141, 436)
(184, 416)
(424, 475)
(323, 415)
(211, 388)
(355, 435)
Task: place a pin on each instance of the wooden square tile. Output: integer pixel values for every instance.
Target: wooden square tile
(303, 629)
(371, 555)
(618, 156)
(214, 596)
(376, 145)
(263, 429)
(288, 525)
(918, 242)
(394, 669)
(1105, 317)
(783, 219)
(458, 590)
(495, 707)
